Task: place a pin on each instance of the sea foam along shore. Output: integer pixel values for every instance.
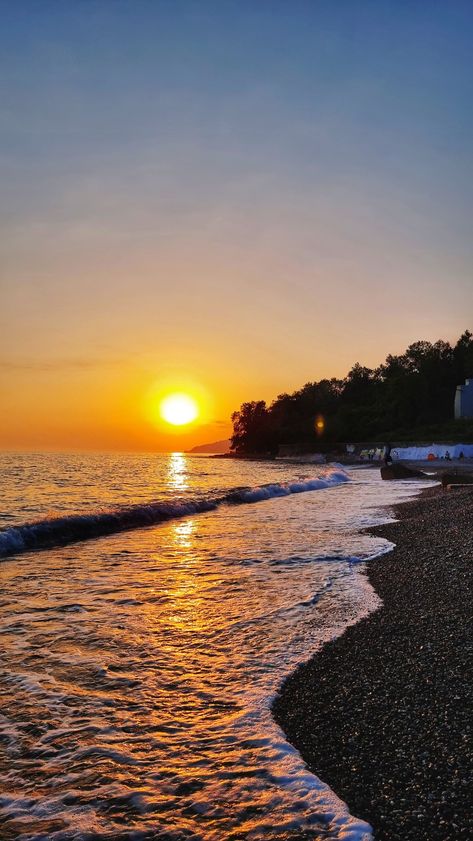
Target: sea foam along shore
(383, 713)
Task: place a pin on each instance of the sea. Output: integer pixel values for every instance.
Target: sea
(150, 608)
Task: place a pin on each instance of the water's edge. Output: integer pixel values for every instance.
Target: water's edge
(359, 829)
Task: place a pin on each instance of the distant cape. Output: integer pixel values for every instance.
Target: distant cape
(214, 447)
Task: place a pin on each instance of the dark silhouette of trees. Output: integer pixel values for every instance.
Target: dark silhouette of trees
(413, 390)
(252, 429)
(463, 356)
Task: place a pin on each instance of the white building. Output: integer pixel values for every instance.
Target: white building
(464, 400)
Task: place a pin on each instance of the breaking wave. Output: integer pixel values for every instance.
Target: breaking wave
(60, 531)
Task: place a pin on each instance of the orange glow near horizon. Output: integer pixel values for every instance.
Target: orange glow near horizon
(178, 410)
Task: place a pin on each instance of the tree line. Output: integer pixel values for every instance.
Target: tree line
(405, 396)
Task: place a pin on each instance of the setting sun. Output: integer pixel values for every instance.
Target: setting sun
(178, 409)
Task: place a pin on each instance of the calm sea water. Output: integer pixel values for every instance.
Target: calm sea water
(138, 668)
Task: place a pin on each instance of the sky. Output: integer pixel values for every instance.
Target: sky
(229, 199)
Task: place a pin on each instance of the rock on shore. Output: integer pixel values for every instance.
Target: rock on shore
(383, 713)
(395, 471)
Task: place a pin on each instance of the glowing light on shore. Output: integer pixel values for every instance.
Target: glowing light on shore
(178, 409)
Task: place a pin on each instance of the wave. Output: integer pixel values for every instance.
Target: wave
(333, 477)
(60, 531)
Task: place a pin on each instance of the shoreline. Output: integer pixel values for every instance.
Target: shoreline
(380, 713)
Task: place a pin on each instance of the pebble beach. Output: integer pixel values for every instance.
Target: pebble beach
(383, 713)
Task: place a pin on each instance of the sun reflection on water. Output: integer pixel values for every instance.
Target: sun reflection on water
(177, 478)
(182, 535)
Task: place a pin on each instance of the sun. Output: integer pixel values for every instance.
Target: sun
(178, 409)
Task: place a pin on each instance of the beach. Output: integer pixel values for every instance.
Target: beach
(383, 713)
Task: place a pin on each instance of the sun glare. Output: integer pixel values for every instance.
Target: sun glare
(178, 409)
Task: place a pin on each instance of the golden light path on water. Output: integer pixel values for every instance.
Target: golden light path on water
(138, 669)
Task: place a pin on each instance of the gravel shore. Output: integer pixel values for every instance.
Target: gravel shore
(383, 713)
